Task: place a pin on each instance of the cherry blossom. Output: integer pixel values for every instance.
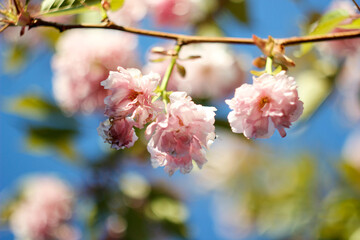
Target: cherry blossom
(181, 135)
(176, 13)
(270, 103)
(118, 132)
(43, 211)
(131, 13)
(76, 82)
(131, 95)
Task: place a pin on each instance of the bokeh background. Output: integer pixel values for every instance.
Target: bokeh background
(303, 186)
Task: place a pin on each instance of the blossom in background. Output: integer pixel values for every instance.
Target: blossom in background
(346, 47)
(76, 82)
(270, 103)
(214, 75)
(175, 13)
(44, 210)
(351, 150)
(131, 13)
(181, 135)
(227, 158)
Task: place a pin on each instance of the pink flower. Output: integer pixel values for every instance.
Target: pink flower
(132, 12)
(214, 75)
(43, 211)
(271, 103)
(118, 132)
(131, 95)
(176, 13)
(84, 59)
(181, 135)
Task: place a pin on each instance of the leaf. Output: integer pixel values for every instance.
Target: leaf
(191, 57)
(34, 107)
(41, 139)
(31, 106)
(353, 25)
(15, 57)
(158, 59)
(327, 23)
(181, 69)
(238, 9)
(277, 70)
(257, 73)
(116, 4)
(314, 89)
(64, 7)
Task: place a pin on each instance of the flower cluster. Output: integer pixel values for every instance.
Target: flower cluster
(44, 210)
(179, 132)
(270, 103)
(129, 105)
(180, 136)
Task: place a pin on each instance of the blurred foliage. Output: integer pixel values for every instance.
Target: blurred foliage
(60, 7)
(16, 56)
(47, 126)
(238, 9)
(326, 24)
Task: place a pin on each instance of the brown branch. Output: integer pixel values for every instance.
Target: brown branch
(319, 38)
(187, 39)
(357, 6)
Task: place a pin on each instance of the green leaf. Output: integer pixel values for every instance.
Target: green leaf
(64, 7)
(314, 89)
(116, 4)
(34, 107)
(41, 139)
(181, 70)
(327, 23)
(238, 9)
(15, 58)
(353, 25)
(257, 73)
(158, 59)
(31, 106)
(277, 70)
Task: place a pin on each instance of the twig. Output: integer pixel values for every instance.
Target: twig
(187, 39)
(357, 6)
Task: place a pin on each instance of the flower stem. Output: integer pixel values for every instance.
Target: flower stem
(169, 70)
(268, 66)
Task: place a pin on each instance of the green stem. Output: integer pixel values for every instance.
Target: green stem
(169, 70)
(268, 66)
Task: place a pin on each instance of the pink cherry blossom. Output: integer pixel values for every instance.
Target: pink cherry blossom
(93, 53)
(131, 13)
(270, 103)
(214, 75)
(118, 132)
(43, 211)
(131, 95)
(175, 13)
(181, 135)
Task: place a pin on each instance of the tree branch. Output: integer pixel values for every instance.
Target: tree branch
(357, 6)
(187, 39)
